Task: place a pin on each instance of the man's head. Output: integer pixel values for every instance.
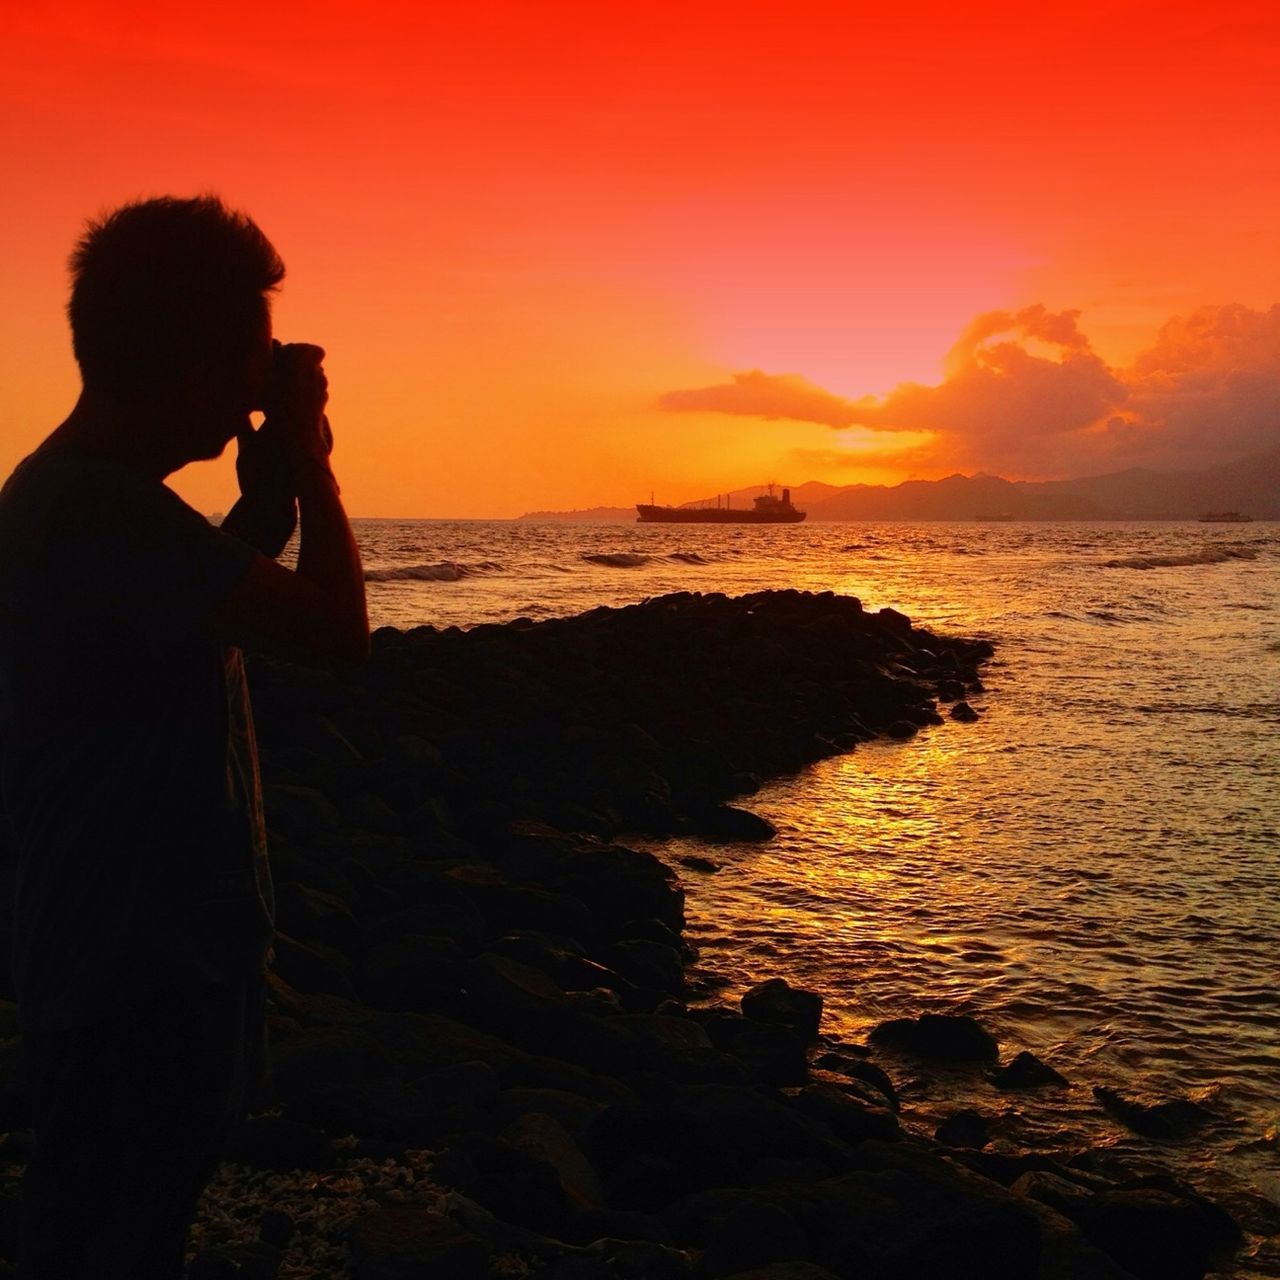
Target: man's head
(169, 306)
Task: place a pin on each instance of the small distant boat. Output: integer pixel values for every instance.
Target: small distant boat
(996, 515)
(1225, 517)
(767, 509)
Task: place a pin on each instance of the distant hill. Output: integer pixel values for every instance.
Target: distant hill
(1250, 486)
(597, 515)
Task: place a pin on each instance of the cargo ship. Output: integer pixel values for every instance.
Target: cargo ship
(1225, 517)
(767, 509)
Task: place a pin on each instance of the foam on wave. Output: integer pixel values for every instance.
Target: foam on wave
(617, 559)
(444, 571)
(1210, 555)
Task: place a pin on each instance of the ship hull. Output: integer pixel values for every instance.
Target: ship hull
(713, 515)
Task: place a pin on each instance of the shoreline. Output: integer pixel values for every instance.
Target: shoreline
(483, 1058)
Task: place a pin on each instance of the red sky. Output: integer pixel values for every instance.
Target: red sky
(547, 246)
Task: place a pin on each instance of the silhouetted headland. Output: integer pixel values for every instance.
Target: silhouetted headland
(472, 963)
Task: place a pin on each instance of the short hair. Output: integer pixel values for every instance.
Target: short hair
(160, 284)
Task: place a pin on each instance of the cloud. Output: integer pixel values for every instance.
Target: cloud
(1024, 392)
(764, 395)
(1209, 386)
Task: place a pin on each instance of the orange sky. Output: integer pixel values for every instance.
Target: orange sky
(552, 247)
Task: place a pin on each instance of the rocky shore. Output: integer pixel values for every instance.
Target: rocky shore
(485, 1055)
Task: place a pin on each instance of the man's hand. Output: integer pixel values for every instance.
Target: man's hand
(295, 403)
(316, 613)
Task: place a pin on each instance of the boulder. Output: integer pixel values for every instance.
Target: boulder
(776, 1001)
(252, 1260)
(1025, 1071)
(1153, 1234)
(414, 972)
(542, 1136)
(399, 1242)
(1158, 1118)
(730, 824)
(939, 1037)
(849, 1117)
(313, 967)
(281, 1145)
(513, 1183)
(964, 1128)
(301, 813)
(756, 1232)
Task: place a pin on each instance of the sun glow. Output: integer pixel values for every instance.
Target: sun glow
(515, 233)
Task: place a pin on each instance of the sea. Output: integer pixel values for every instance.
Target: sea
(1092, 870)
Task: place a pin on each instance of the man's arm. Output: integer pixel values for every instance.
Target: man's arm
(266, 513)
(316, 613)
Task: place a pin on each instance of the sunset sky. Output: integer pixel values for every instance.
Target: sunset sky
(564, 254)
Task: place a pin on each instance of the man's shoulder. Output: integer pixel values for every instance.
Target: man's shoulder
(69, 489)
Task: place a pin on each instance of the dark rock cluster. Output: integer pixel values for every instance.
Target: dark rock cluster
(470, 963)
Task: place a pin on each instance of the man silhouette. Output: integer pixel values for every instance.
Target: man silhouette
(128, 772)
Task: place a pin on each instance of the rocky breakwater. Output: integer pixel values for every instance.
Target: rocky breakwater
(482, 1053)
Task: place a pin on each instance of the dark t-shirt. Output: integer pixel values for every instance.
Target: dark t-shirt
(128, 770)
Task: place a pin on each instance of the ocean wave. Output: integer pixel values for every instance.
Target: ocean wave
(635, 559)
(1210, 555)
(444, 571)
(617, 559)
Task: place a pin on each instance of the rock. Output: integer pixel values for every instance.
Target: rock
(326, 1055)
(898, 623)
(696, 862)
(527, 1008)
(699, 1136)
(414, 972)
(301, 813)
(848, 1117)
(1064, 1194)
(541, 1136)
(1026, 1071)
(276, 1228)
(371, 812)
(756, 1232)
(776, 1001)
(620, 1224)
(903, 1212)
(248, 1261)
(964, 1128)
(313, 967)
(280, 1145)
(512, 1183)
(644, 963)
(901, 730)
(773, 1055)
(1153, 1234)
(642, 1260)
(432, 919)
(964, 713)
(1167, 1118)
(1066, 1255)
(786, 1271)
(849, 1067)
(731, 824)
(574, 1112)
(314, 916)
(401, 1241)
(939, 1037)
